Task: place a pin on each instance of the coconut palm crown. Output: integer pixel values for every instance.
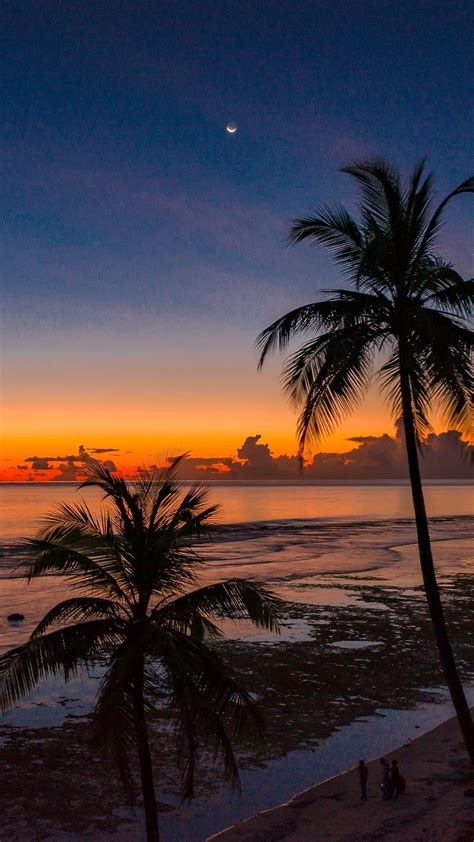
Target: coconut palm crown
(402, 319)
(406, 304)
(139, 611)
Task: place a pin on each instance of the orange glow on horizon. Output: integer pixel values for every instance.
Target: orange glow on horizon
(207, 407)
(138, 449)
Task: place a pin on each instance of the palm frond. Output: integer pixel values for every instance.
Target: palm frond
(420, 396)
(158, 487)
(83, 608)
(113, 720)
(170, 569)
(193, 515)
(418, 203)
(432, 227)
(414, 189)
(328, 315)
(211, 704)
(84, 571)
(164, 498)
(389, 377)
(450, 293)
(380, 190)
(233, 599)
(59, 653)
(122, 495)
(334, 228)
(330, 376)
(78, 516)
(448, 363)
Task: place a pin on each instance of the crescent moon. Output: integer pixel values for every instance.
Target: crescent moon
(231, 128)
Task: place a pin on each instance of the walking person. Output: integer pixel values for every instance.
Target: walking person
(363, 775)
(386, 785)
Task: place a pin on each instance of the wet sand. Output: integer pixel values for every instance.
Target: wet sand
(436, 805)
(373, 654)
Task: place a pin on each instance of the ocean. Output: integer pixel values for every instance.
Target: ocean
(297, 538)
(23, 504)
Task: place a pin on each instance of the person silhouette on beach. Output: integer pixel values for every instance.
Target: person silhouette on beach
(396, 780)
(386, 785)
(363, 775)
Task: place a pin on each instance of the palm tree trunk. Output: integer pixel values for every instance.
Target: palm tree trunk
(429, 575)
(146, 768)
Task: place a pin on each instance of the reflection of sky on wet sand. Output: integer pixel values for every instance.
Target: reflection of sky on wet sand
(304, 562)
(53, 702)
(282, 777)
(356, 644)
(294, 629)
(304, 570)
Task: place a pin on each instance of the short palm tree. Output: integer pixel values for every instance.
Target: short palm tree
(140, 613)
(403, 319)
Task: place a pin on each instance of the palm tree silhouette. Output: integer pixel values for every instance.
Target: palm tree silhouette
(140, 612)
(406, 309)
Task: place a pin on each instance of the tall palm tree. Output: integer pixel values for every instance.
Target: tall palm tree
(140, 613)
(402, 319)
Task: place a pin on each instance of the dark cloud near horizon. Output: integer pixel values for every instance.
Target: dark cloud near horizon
(83, 455)
(68, 472)
(103, 449)
(443, 456)
(71, 468)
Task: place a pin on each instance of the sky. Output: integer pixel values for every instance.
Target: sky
(144, 246)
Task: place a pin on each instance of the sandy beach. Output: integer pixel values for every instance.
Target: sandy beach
(438, 804)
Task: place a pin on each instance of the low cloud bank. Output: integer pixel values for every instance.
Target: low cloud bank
(443, 456)
(71, 467)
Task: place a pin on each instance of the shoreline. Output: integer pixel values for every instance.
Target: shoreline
(435, 766)
(434, 806)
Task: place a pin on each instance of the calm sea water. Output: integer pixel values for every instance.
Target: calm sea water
(22, 505)
(296, 538)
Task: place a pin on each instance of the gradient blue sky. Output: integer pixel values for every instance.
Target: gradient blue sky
(144, 247)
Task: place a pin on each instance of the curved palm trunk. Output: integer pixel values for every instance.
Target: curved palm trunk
(146, 769)
(429, 575)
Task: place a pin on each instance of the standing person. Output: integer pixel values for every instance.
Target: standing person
(363, 775)
(398, 783)
(386, 785)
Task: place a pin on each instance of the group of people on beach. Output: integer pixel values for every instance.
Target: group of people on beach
(392, 781)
